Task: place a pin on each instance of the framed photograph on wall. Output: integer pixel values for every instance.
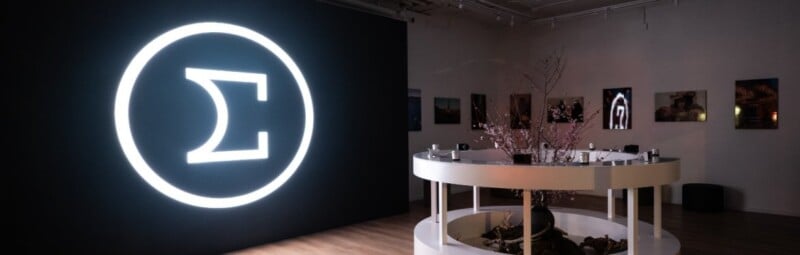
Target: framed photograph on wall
(756, 104)
(520, 107)
(681, 106)
(414, 110)
(478, 110)
(617, 108)
(446, 110)
(564, 109)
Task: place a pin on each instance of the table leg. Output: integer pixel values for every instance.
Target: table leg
(434, 195)
(611, 204)
(633, 221)
(443, 213)
(476, 198)
(657, 211)
(526, 222)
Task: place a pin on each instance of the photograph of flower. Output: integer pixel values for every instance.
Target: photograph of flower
(414, 110)
(446, 110)
(564, 109)
(756, 104)
(520, 111)
(478, 110)
(681, 106)
(617, 107)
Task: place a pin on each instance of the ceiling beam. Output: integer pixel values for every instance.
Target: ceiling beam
(365, 7)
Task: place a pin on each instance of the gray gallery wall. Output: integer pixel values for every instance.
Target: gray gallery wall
(696, 45)
(450, 55)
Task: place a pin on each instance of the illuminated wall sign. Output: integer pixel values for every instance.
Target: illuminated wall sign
(619, 112)
(617, 108)
(208, 151)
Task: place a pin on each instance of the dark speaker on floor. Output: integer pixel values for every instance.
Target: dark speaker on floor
(703, 197)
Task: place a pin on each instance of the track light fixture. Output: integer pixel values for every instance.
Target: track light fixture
(644, 18)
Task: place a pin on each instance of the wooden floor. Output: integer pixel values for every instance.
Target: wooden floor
(699, 233)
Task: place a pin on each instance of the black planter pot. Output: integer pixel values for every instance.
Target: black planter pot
(541, 218)
(522, 159)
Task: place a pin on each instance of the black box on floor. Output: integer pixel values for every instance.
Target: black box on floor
(703, 197)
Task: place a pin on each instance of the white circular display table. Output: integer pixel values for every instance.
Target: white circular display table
(490, 168)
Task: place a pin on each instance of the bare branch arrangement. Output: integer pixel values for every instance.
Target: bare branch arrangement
(545, 143)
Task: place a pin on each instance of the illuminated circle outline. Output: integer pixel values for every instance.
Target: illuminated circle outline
(125, 136)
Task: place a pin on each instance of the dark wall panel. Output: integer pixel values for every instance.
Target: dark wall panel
(72, 189)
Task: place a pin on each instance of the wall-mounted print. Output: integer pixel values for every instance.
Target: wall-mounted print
(681, 106)
(446, 110)
(478, 109)
(520, 108)
(617, 107)
(564, 109)
(756, 104)
(414, 110)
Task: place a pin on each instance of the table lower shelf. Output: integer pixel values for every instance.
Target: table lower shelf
(465, 224)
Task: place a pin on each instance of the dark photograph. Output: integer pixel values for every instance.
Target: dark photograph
(520, 111)
(756, 104)
(478, 110)
(681, 106)
(446, 110)
(565, 109)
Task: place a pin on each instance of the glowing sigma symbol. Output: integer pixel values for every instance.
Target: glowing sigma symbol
(204, 78)
(619, 113)
(205, 153)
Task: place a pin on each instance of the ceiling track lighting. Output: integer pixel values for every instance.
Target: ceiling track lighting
(605, 10)
(499, 11)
